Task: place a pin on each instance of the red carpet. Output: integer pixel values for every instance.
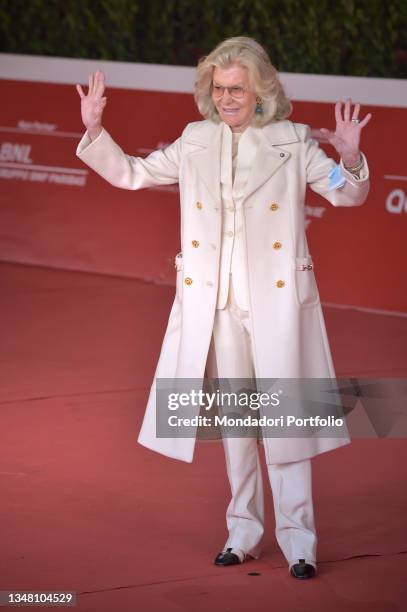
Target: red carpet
(87, 509)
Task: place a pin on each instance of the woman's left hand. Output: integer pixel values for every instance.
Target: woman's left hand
(346, 137)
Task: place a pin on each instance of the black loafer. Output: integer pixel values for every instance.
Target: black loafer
(302, 570)
(227, 558)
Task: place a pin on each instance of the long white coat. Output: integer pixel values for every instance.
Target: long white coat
(288, 332)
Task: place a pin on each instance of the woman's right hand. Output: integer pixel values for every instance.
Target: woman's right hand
(93, 104)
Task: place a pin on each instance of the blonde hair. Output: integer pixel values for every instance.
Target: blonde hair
(262, 75)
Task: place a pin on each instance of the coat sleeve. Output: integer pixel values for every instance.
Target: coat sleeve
(352, 192)
(106, 158)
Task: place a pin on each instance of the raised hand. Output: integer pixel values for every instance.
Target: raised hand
(93, 104)
(346, 137)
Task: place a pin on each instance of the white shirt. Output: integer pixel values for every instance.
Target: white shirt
(237, 155)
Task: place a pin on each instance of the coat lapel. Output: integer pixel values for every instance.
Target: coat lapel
(270, 154)
(206, 158)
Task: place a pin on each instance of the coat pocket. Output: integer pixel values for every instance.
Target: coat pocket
(305, 283)
(179, 266)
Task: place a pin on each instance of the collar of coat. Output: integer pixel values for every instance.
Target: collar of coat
(206, 136)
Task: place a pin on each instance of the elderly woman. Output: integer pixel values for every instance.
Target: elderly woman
(246, 303)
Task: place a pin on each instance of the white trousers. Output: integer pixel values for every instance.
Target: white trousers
(230, 356)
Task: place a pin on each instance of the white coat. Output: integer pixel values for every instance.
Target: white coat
(288, 332)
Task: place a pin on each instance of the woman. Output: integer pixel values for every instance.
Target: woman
(246, 303)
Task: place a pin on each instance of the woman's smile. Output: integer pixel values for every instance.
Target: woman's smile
(230, 110)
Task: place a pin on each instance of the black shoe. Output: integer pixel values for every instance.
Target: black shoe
(302, 570)
(227, 558)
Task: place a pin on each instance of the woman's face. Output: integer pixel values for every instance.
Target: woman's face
(235, 110)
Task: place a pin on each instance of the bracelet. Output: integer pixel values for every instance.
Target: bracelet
(355, 167)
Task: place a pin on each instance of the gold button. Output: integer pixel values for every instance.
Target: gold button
(199, 205)
(231, 208)
(188, 281)
(280, 283)
(273, 206)
(230, 233)
(277, 245)
(195, 244)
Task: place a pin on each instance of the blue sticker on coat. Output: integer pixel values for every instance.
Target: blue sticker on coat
(336, 178)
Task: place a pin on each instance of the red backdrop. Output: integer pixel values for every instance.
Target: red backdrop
(55, 212)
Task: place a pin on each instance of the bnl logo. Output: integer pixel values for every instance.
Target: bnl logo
(11, 152)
